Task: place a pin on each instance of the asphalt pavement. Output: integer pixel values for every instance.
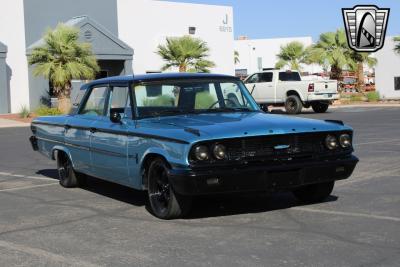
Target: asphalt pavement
(43, 224)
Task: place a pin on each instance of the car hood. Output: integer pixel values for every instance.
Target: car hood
(231, 125)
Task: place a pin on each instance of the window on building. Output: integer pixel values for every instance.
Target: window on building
(397, 83)
(192, 30)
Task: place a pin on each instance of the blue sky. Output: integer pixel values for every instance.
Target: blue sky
(292, 18)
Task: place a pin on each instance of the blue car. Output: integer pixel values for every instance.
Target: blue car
(177, 136)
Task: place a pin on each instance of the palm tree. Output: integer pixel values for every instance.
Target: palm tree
(397, 47)
(236, 57)
(332, 49)
(292, 55)
(361, 58)
(62, 58)
(185, 53)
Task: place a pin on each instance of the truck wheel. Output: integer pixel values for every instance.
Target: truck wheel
(164, 202)
(66, 173)
(293, 104)
(314, 192)
(320, 107)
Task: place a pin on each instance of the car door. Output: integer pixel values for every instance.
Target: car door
(109, 140)
(77, 128)
(262, 86)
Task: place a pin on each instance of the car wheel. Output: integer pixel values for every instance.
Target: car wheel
(314, 192)
(67, 176)
(164, 202)
(320, 107)
(293, 104)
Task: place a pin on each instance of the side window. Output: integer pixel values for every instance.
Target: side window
(120, 101)
(266, 77)
(253, 79)
(96, 102)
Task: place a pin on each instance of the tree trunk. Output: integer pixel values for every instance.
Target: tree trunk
(336, 73)
(360, 77)
(64, 99)
(182, 68)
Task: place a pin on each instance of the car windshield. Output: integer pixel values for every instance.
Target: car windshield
(166, 98)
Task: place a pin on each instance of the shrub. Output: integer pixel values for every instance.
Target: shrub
(373, 96)
(160, 101)
(356, 98)
(204, 100)
(24, 112)
(46, 111)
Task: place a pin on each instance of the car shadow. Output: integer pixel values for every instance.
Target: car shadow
(203, 206)
(226, 205)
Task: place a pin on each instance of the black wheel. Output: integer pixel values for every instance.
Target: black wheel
(164, 202)
(320, 107)
(67, 176)
(314, 192)
(293, 104)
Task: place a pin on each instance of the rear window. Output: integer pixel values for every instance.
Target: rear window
(289, 76)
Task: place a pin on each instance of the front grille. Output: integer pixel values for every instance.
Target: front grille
(277, 146)
(274, 148)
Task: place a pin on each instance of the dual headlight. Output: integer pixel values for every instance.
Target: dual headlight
(202, 152)
(331, 142)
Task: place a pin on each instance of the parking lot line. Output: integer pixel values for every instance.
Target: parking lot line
(25, 176)
(40, 253)
(343, 213)
(26, 187)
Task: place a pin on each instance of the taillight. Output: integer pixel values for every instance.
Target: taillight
(311, 87)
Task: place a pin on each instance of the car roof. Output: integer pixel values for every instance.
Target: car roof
(157, 77)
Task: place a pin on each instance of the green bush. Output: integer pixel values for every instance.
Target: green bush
(373, 96)
(46, 111)
(356, 98)
(160, 101)
(204, 100)
(24, 112)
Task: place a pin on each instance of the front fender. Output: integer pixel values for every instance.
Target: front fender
(65, 150)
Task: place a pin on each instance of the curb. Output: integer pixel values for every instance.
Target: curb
(5, 123)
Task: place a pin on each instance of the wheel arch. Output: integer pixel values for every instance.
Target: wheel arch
(145, 163)
(57, 149)
(296, 93)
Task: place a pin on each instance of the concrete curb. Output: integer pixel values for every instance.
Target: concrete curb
(4, 123)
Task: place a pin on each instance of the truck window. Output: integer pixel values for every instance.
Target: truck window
(289, 76)
(253, 79)
(266, 77)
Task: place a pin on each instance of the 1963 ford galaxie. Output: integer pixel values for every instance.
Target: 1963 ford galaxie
(181, 135)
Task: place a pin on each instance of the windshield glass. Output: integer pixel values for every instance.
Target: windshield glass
(192, 96)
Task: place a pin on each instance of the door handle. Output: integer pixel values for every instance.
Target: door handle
(93, 130)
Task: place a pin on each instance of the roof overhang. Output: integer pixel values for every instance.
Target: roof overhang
(105, 45)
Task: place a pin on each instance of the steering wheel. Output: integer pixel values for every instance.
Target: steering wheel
(225, 99)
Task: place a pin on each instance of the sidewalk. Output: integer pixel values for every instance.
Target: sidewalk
(4, 123)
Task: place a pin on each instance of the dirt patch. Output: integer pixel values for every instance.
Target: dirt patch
(16, 117)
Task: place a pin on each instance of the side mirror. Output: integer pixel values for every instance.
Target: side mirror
(115, 117)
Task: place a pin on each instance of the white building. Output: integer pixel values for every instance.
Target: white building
(387, 71)
(258, 54)
(124, 35)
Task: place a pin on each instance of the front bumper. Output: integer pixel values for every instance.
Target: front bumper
(260, 178)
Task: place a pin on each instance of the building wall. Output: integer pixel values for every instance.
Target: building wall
(144, 24)
(387, 68)
(266, 49)
(12, 34)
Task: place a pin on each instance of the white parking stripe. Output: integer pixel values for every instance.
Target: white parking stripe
(25, 187)
(49, 256)
(25, 176)
(353, 214)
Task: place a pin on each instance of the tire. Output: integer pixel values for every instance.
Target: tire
(293, 104)
(320, 107)
(314, 193)
(67, 176)
(164, 202)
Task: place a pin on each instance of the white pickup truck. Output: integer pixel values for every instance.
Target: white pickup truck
(278, 87)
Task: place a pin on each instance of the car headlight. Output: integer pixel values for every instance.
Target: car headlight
(201, 153)
(219, 151)
(331, 142)
(345, 140)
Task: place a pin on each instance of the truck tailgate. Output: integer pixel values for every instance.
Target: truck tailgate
(329, 86)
